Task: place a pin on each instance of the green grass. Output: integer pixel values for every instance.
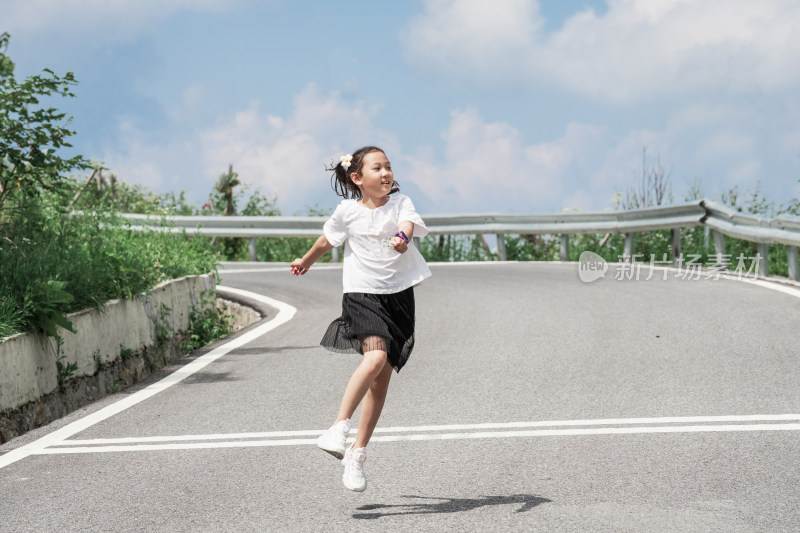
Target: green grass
(91, 258)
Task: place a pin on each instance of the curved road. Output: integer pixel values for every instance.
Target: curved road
(533, 402)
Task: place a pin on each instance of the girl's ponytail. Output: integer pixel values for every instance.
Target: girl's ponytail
(341, 182)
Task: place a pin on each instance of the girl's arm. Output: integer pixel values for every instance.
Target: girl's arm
(399, 244)
(301, 265)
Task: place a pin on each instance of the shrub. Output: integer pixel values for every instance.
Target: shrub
(90, 258)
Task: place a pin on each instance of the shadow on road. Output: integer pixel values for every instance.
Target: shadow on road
(273, 350)
(210, 377)
(447, 505)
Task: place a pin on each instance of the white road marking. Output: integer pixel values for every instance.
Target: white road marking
(449, 427)
(767, 284)
(338, 266)
(176, 446)
(485, 263)
(285, 313)
(603, 422)
(185, 438)
(70, 447)
(284, 268)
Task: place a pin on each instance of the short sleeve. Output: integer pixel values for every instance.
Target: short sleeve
(335, 229)
(409, 214)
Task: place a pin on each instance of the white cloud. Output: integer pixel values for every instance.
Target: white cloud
(487, 165)
(467, 34)
(638, 49)
(480, 166)
(483, 164)
(286, 156)
(278, 155)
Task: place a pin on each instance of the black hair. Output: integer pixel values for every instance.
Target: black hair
(340, 180)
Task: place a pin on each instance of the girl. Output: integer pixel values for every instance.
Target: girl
(381, 267)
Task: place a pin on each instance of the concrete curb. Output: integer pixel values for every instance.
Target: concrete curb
(244, 310)
(115, 346)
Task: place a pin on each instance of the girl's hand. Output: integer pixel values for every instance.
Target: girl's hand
(399, 245)
(298, 268)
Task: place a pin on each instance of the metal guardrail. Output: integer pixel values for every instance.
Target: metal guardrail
(494, 223)
(637, 220)
(722, 220)
(783, 229)
(233, 226)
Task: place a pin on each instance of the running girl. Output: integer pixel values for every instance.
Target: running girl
(380, 268)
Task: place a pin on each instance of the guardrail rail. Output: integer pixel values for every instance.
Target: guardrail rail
(720, 219)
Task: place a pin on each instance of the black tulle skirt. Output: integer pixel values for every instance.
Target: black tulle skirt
(374, 322)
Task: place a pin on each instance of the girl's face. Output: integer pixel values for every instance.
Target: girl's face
(376, 178)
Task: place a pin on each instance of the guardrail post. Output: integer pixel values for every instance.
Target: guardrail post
(719, 246)
(501, 247)
(564, 252)
(335, 255)
(676, 247)
(763, 259)
(251, 247)
(628, 251)
(791, 252)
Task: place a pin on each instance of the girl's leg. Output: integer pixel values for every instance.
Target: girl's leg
(370, 367)
(372, 406)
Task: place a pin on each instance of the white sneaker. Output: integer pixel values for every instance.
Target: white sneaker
(353, 462)
(334, 439)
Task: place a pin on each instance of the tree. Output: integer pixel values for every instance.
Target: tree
(225, 186)
(654, 187)
(31, 135)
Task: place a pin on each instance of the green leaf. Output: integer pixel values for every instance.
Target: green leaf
(49, 320)
(55, 293)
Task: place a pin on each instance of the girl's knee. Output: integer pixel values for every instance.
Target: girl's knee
(374, 362)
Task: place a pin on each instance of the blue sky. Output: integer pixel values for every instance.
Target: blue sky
(518, 106)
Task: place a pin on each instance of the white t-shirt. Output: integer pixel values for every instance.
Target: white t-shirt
(369, 265)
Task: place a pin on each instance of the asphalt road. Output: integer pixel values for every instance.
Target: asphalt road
(533, 402)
